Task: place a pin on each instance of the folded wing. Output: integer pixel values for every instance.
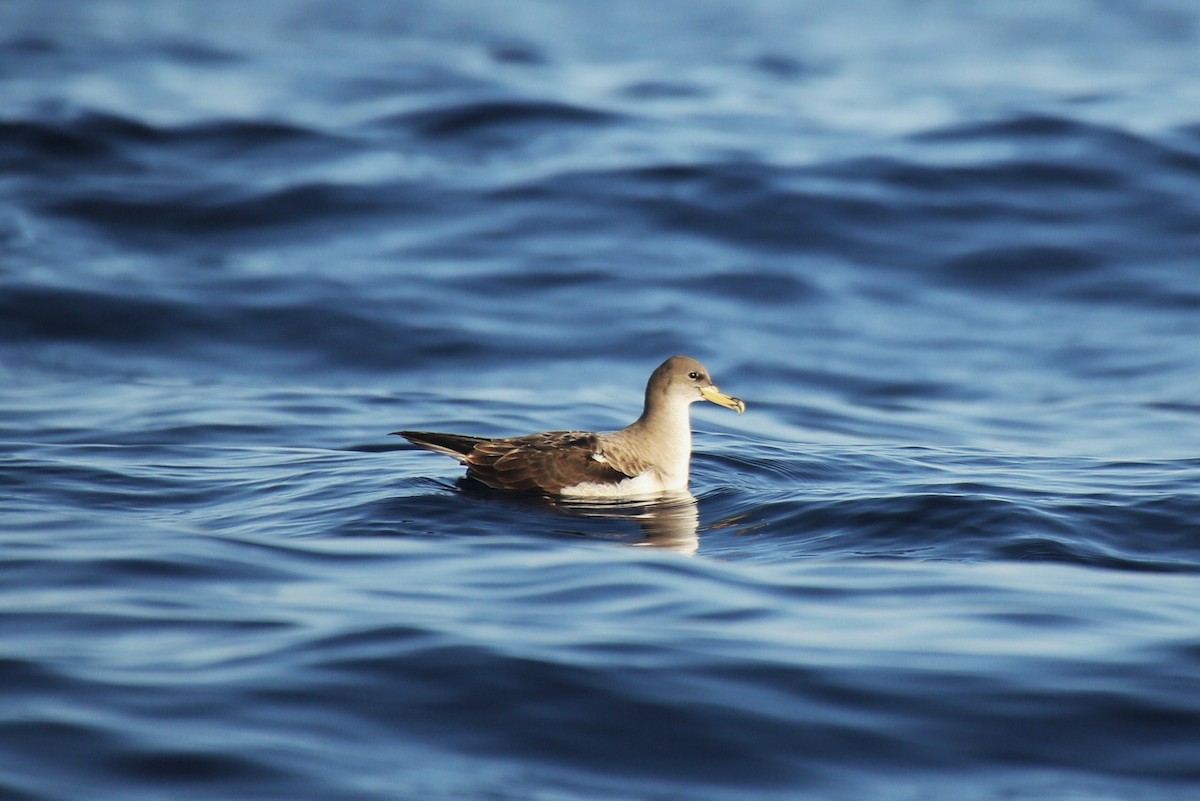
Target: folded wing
(546, 462)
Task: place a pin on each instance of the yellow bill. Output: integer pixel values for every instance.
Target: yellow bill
(711, 393)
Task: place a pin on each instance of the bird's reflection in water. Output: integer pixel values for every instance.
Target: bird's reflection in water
(670, 521)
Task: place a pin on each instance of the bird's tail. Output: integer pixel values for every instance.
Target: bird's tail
(453, 445)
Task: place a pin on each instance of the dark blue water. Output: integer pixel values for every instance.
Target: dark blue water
(948, 253)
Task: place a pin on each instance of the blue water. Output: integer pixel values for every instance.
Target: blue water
(947, 252)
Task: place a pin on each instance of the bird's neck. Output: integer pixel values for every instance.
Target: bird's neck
(667, 428)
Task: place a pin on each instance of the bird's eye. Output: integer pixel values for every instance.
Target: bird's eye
(694, 375)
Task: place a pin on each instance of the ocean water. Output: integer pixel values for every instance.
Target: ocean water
(948, 253)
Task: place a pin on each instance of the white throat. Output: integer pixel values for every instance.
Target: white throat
(672, 427)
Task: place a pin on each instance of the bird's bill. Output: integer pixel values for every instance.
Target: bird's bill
(718, 397)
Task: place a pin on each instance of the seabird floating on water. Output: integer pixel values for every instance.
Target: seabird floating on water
(651, 456)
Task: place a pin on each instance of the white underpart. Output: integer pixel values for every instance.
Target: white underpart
(648, 483)
(672, 448)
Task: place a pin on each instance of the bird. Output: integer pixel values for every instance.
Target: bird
(651, 456)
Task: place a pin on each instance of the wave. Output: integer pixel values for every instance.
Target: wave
(108, 142)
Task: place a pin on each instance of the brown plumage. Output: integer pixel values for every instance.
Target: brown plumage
(650, 456)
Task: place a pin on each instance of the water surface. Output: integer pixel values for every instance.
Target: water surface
(946, 254)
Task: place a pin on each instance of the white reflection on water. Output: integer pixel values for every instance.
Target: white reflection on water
(670, 521)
